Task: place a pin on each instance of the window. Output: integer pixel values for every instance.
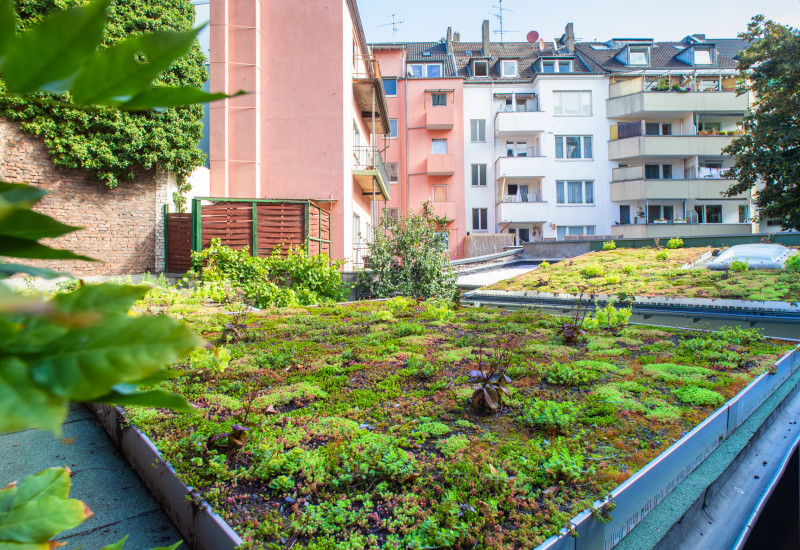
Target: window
(517, 193)
(708, 213)
(657, 129)
(624, 214)
(480, 219)
(666, 171)
(369, 233)
(393, 127)
(356, 229)
(439, 146)
(480, 68)
(477, 130)
(478, 175)
(419, 70)
(548, 66)
(445, 237)
(569, 147)
(651, 172)
(702, 57)
(556, 66)
(509, 68)
(438, 100)
(516, 149)
(573, 230)
(390, 86)
(393, 168)
(565, 66)
(572, 103)
(439, 193)
(660, 213)
(391, 214)
(709, 127)
(639, 56)
(577, 192)
(743, 213)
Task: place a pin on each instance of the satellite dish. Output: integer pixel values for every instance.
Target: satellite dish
(533, 36)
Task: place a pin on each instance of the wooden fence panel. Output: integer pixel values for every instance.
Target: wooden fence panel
(231, 222)
(279, 225)
(179, 242)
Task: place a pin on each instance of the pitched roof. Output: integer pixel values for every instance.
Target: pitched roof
(663, 55)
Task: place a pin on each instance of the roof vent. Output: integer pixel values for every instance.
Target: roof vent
(426, 54)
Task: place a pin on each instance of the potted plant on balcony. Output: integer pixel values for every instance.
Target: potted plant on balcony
(660, 220)
(662, 85)
(680, 220)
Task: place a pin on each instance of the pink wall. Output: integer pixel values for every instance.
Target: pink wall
(292, 136)
(413, 146)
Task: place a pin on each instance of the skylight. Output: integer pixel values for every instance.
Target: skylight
(426, 54)
(600, 47)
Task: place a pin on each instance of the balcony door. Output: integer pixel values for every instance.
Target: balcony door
(624, 213)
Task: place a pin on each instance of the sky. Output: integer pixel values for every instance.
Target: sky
(427, 20)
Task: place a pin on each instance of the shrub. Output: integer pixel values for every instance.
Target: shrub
(275, 281)
(628, 269)
(410, 259)
(592, 270)
(546, 264)
(675, 242)
(438, 309)
(662, 255)
(400, 306)
(608, 317)
(568, 375)
(549, 415)
(793, 263)
(609, 245)
(738, 266)
(381, 316)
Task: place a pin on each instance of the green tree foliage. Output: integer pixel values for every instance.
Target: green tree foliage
(410, 258)
(111, 143)
(769, 150)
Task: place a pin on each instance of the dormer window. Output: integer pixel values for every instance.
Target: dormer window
(702, 57)
(424, 70)
(480, 67)
(509, 68)
(638, 56)
(556, 66)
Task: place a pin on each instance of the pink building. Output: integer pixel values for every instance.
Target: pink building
(425, 157)
(313, 124)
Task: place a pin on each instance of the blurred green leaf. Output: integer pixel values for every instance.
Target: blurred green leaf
(158, 399)
(48, 55)
(85, 363)
(106, 298)
(115, 75)
(163, 97)
(38, 509)
(7, 27)
(117, 545)
(26, 224)
(19, 194)
(24, 248)
(7, 270)
(23, 404)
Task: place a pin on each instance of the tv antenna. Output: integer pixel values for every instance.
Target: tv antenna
(394, 24)
(499, 15)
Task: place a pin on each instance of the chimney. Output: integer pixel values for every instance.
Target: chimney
(569, 38)
(456, 37)
(449, 40)
(485, 35)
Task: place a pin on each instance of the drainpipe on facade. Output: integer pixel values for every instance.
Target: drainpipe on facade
(405, 123)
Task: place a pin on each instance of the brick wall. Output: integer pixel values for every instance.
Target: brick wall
(122, 226)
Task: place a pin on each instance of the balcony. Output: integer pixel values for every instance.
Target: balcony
(445, 209)
(439, 117)
(368, 87)
(675, 104)
(522, 212)
(666, 146)
(629, 184)
(441, 165)
(520, 167)
(518, 123)
(369, 172)
(669, 230)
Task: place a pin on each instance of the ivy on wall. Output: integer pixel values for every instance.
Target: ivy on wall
(112, 143)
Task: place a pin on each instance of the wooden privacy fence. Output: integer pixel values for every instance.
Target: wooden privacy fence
(262, 225)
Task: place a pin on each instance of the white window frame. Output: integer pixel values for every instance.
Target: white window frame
(581, 147)
(483, 216)
(512, 64)
(584, 102)
(475, 70)
(428, 70)
(477, 129)
(695, 51)
(433, 146)
(478, 170)
(639, 49)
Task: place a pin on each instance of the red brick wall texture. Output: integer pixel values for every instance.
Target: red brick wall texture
(119, 225)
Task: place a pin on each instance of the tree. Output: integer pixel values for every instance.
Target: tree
(410, 258)
(81, 345)
(768, 154)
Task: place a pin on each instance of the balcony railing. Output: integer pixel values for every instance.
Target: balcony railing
(674, 83)
(366, 66)
(369, 158)
(522, 197)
